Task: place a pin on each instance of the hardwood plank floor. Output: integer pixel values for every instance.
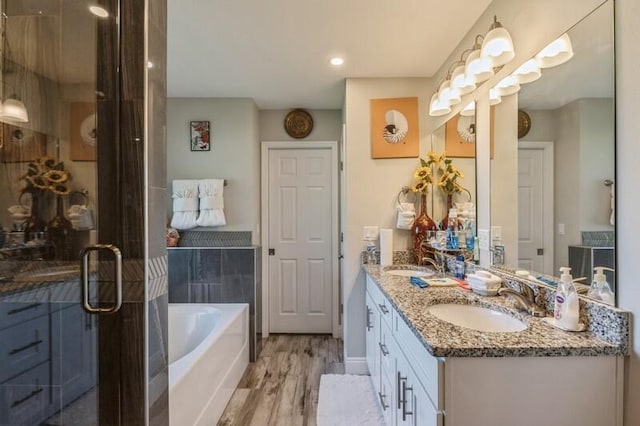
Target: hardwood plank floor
(281, 387)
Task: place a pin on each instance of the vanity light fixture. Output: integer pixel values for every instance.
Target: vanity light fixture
(476, 66)
(448, 95)
(462, 81)
(469, 110)
(13, 109)
(508, 86)
(555, 53)
(497, 45)
(528, 72)
(494, 97)
(437, 108)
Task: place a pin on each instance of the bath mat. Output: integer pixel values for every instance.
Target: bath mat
(347, 400)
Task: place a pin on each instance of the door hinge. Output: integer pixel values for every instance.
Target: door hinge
(341, 309)
(342, 237)
(540, 252)
(272, 252)
(342, 165)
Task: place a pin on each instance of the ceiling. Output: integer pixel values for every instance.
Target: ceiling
(277, 51)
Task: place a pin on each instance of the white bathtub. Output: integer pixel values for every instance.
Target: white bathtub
(208, 353)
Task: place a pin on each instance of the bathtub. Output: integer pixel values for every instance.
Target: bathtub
(208, 353)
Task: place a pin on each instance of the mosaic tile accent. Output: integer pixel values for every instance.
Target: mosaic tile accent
(598, 238)
(607, 332)
(215, 239)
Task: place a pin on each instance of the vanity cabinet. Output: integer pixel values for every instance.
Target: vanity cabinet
(416, 388)
(49, 360)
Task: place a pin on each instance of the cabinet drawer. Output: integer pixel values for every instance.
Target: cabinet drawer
(27, 344)
(12, 313)
(24, 400)
(429, 370)
(388, 351)
(380, 300)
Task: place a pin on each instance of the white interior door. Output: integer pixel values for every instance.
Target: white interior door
(301, 210)
(535, 209)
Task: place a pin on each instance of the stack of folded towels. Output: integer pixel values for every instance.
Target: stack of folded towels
(484, 283)
(198, 203)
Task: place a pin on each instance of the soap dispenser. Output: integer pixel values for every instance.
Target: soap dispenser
(600, 289)
(567, 309)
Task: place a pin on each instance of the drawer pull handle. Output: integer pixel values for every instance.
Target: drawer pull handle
(26, 398)
(369, 326)
(382, 398)
(400, 380)
(405, 388)
(24, 308)
(383, 349)
(25, 347)
(384, 309)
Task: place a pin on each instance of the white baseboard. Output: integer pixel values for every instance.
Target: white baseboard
(356, 365)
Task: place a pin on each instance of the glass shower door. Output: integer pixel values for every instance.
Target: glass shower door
(60, 94)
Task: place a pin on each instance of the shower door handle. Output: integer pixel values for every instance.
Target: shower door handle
(84, 270)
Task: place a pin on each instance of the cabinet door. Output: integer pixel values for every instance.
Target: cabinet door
(414, 405)
(75, 369)
(372, 339)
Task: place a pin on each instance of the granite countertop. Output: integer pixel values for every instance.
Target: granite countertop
(443, 339)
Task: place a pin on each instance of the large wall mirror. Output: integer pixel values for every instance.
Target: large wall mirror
(563, 161)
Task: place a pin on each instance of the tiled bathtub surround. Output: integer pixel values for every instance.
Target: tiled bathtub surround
(539, 339)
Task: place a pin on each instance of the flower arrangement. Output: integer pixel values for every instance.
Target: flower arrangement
(424, 175)
(44, 174)
(449, 175)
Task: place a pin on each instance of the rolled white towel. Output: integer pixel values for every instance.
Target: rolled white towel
(185, 204)
(211, 202)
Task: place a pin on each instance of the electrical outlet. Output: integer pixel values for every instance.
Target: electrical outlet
(370, 233)
(483, 239)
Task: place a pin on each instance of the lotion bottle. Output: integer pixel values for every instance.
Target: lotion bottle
(600, 289)
(567, 309)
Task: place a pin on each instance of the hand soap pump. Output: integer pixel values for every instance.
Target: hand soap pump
(600, 289)
(567, 309)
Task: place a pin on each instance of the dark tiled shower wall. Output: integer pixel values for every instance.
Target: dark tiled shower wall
(219, 275)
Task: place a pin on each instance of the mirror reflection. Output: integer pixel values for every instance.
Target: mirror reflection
(564, 162)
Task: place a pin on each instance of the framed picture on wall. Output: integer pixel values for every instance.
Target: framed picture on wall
(199, 135)
(394, 128)
(82, 131)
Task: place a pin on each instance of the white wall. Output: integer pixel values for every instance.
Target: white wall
(627, 178)
(234, 155)
(371, 190)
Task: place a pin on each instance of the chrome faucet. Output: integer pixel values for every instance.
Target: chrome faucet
(525, 299)
(439, 267)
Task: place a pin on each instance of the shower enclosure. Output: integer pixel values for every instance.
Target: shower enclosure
(83, 288)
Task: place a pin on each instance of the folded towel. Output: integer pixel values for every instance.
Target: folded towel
(211, 202)
(80, 217)
(185, 204)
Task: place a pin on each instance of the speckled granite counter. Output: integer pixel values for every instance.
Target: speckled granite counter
(443, 339)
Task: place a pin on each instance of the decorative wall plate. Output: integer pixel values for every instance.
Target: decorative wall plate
(298, 123)
(524, 123)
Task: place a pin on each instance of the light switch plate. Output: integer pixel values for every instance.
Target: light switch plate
(561, 229)
(483, 239)
(496, 232)
(370, 232)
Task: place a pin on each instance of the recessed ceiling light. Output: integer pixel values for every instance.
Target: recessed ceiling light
(100, 12)
(149, 64)
(336, 61)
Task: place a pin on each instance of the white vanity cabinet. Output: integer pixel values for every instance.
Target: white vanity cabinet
(416, 388)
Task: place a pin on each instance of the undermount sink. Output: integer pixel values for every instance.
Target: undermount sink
(477, 318)
(409, 272)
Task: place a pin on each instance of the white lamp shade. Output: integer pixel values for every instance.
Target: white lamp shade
(14, 110)
(469, 110)
(555, 53)
(498, 47)
(448, 95)
(437, 108)
(508, 86)
(494, 97)
(477, 67)
(528, 72)
(461, 81)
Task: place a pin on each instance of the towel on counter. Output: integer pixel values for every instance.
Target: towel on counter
(211, 202)
(185, 204)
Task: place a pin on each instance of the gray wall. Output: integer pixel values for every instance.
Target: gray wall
(234, 155)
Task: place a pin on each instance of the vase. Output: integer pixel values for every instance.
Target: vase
(421, 225)
(34, 222)
(444, 224)
(59, 233)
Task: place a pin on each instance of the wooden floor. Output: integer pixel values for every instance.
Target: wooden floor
(281, 387)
